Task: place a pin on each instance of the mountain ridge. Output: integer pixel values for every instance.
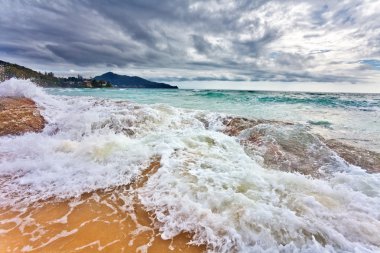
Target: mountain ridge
(106, 80)
(125, 81)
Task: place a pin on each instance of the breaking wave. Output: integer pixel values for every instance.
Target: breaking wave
(234, 185)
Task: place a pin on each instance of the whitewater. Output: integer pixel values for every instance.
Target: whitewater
(267, 182)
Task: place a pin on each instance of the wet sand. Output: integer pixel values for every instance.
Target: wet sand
(113, 220)
(19, 115)
(110, 220)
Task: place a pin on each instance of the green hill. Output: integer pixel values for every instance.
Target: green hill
(9, 70)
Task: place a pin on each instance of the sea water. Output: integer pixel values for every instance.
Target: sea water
(353, 118)
(211, 184)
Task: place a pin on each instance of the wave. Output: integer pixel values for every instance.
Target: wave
(323, 100)
(210, 94)
(234, 184)
(323, 123)
(352, 101)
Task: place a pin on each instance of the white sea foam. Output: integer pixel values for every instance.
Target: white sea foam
(20, 88)
(229, 202)
(207, 184)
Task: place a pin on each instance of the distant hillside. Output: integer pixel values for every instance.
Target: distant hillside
(9, 70)
(131, 81)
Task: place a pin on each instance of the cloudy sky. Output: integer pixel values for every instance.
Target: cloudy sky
(233, 44)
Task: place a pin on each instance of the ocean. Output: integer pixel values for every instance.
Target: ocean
(233, 171)
(353, 118)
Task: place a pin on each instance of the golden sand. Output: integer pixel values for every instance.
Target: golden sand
(101, 221)
(19, 115)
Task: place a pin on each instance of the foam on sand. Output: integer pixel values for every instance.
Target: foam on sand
(208, 184)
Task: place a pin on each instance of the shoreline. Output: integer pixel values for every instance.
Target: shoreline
(95, 221)
(81, 223)
(105, 220)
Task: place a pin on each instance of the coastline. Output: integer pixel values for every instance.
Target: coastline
(71, 223)
(105, 220)
(102, 220)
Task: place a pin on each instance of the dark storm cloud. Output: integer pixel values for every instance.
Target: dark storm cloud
(188, 40)
(205, 78)
(201, 45)
(253, 47)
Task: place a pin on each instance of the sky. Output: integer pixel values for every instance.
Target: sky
(317, 45)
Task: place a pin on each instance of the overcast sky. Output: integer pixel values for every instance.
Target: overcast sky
(248, 42)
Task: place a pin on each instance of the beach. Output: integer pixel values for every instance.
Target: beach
(189, 171)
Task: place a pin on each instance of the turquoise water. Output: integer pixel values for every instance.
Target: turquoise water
(203, 99)
(353, 118)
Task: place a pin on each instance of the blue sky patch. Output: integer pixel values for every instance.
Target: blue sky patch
(373, 63)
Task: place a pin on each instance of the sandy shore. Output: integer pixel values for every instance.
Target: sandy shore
(110, 220)
(113, 220)
(19, 115)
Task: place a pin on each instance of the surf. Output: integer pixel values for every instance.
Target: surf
(220, 183)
